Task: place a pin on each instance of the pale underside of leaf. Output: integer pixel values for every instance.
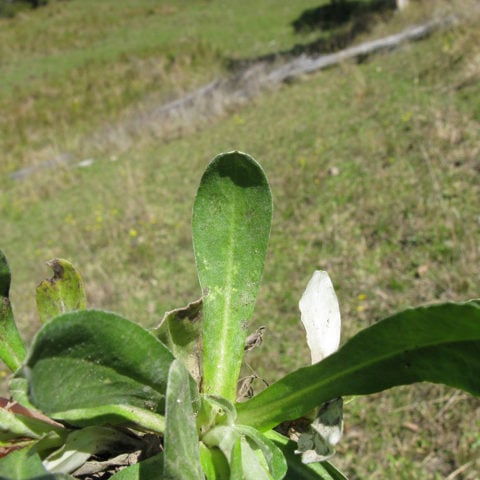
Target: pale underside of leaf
(182, 450)
(320, 315)
(318, 443)
(298, 470)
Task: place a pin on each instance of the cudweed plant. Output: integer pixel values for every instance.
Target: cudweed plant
(98, 394)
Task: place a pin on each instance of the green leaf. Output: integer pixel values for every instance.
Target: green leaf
(14, 425)
(94, 415)
(12, 348)
(439, 344)
(63, 293)
(236, 463)
(297, 470)
(222, 437)
(24, 464)
(254, 457)
(269, 462)
(51, 476)
(146, 470)
(253, 466)
(181, 331)
(18, 389)
(80, 445)
(5, 277)
(270, 452)
(182, 451)
(214, 463)
(332, 470)
(216, 411)
(112, 414)
(231, 225)
(93, 367)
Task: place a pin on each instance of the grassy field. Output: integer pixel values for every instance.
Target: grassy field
(77, 66)
(374, 169)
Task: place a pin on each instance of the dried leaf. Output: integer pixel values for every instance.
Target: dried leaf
(255, 339)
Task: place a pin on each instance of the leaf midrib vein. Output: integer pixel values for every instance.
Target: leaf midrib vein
(225, 324)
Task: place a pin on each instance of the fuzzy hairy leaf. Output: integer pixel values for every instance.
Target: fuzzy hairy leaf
(182, 452)
(81, 444)
(24, 464)
(273, 457)
(252, 466)
(214, 463)
(238, 443)
(180, 330)
(231, 225)
(94, 367)
(145, 470)
(13, 425)
(439, 344)
(12, 348)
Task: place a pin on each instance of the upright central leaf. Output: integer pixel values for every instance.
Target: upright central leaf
(231, 226)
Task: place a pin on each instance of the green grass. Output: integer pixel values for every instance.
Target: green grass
(374, 172)
(68, 68)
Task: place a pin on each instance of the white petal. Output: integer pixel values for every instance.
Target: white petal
(320, 316)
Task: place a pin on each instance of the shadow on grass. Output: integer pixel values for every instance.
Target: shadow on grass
(338, 24)
(9, 8)
(338, 12)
